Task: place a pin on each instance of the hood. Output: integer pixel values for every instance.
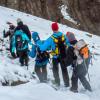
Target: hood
(35, 37)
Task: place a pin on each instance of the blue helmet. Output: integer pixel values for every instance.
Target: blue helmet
(35, 37)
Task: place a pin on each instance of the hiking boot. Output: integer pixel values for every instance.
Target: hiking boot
(66, 85)
(26, 64)
(44, 81)
(73, 90)
(33, 73)
(56, 83)
(89, 89)
(22, 64)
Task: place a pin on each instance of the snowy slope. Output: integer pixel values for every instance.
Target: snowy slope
(34, 90)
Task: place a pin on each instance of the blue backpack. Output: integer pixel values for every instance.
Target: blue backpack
(20, 42)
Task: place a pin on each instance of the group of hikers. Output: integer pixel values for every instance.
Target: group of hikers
(64, 49)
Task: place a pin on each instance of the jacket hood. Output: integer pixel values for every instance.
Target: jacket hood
(57, 34)
(35, 37)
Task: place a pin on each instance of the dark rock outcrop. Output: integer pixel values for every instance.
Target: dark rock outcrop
(85, 12)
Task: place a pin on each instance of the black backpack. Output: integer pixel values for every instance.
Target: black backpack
(20, 43)
(42, 56)
(60, 46)
(70, 56)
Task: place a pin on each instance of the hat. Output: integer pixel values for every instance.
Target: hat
(35, 37)
(19, 20)
(55, 26)
(11, 26)
(71, 36)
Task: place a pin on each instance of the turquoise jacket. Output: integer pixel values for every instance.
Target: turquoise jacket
(24, 38)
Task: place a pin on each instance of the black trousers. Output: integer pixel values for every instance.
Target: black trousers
(64, 71)
(41, 72)
(82, 78)
(23, 57)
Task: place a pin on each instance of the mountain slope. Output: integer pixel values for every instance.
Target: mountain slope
(33, 90)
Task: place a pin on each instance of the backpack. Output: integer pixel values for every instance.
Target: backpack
(82, 48)
(60, 46)
(20, 43)
(70, 56)
(42, 56)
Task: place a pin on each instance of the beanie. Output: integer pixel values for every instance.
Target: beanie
(70, 36)
(19, 20)
(55, 26)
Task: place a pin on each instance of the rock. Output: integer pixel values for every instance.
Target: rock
(85, 12)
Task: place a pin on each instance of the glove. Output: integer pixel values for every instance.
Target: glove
(30, 47)
(13, 55)
(4, 33)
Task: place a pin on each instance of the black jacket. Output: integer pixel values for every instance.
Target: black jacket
(70, 56)
(24, 28)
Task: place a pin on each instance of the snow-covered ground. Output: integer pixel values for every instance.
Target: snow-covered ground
(10, 69)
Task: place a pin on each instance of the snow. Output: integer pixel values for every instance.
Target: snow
(66, 15)
(10, 70)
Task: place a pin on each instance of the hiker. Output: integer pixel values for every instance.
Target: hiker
(42, 58)
(80, 66)
(24, 28)
(58, 43)
(10, 33)
(20, 45)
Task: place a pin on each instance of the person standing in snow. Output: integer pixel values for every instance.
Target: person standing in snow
(20, 43)
(82, 65)
(58, 43)
(78, 62)
(24, 28)
(10, 33)
(42, 58)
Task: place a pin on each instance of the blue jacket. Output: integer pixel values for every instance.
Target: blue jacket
(49, 43)
(24, 38)
(33, 52)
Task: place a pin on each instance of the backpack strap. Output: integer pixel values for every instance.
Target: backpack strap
(56, 51)
(56, 39)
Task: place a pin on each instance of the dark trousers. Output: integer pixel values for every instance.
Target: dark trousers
(41, 73)
(83, 80)
(64, 71)
(23, 57)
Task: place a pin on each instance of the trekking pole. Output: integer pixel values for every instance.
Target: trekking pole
(86, 69)
(50, 63)
(27, 67)
(91, 61)
(2, 41)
